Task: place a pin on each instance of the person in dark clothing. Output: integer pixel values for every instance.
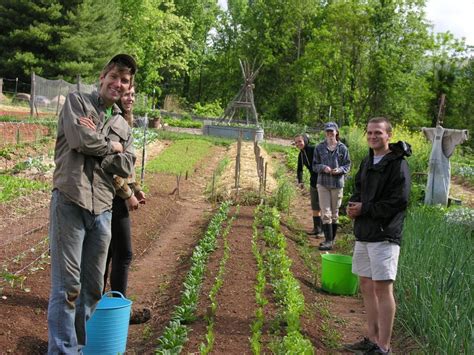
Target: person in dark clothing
(305, 158)
(128, 197)
(378, 205)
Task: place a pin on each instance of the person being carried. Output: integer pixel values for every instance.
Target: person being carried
(80, 213)
(331, 162)
(305, 158)
(378, 207)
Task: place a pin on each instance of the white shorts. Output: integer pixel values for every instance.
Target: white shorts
(377, 261)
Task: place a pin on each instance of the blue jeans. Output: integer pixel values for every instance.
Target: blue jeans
(79, 242)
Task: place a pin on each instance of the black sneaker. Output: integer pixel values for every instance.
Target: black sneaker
(363, 345)
(140, 316)
(377, 351)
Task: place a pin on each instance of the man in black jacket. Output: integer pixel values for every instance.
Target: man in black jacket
(378, 205)
(305, 159)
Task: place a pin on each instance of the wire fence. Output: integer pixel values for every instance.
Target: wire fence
(39, 97)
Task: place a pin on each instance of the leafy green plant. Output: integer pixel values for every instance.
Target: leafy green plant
(286, 288)
(210, 109)
(12, 187)
(139, 137)
(180, 157)
(175, 333)
(37, 162)
(282, 129)
(183, 122)
(206, 348)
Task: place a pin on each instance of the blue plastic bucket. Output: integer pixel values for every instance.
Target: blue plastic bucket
(337, 276)
(107, 329)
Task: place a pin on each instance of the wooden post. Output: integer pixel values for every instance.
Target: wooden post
(213, 186)
(237, 164)
(178, 179)
(142, 173)
(1, 86)
(265, 178)
(59, 95)
(16, 87)
(18, 138)
(32, 94)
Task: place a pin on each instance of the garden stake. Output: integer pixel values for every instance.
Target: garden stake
(142, 173)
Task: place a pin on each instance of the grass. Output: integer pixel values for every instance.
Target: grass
(435, 282)
(11, 187)
(181, 157)
(176, 136)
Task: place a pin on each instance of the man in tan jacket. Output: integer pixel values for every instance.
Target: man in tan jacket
(86, 160)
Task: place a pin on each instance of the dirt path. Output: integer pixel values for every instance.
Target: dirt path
(158, 273)
(164, 232)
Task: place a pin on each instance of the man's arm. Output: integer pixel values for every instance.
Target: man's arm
(299, 169)
(317, 166)
(80, 137)
(121, 164)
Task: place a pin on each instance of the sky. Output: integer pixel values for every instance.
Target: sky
(455, 16)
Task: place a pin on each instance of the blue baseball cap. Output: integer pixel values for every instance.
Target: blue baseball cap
(331, 126)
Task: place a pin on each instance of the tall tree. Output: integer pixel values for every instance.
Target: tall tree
(57, 38)
(28, 31)
(400, 39)
(202, 15)
(158, 37)
(90, 36)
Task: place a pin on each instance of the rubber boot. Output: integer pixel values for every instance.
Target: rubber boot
(327, 244)
(317, 230)
(334, 231)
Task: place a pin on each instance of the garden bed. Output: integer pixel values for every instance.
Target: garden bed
(247, 132)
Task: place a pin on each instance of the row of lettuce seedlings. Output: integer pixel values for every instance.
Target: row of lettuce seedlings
(175, 334)
(207, 346)
(269, 248)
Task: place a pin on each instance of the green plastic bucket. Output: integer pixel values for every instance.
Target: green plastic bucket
(107, 329)
(337, 276)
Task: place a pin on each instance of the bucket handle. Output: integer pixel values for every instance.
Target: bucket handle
(113, 292)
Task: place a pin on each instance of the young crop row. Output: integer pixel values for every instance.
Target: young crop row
(286, 289)
(206, 348)
(175, 334)
(180, 157)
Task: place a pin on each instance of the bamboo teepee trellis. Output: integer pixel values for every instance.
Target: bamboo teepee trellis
(244, 98)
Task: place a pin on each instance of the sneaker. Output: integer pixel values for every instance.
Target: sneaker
(377, 351)
(140, 316)
(363, 345)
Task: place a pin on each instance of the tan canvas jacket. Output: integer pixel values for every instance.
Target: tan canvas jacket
(85, 162)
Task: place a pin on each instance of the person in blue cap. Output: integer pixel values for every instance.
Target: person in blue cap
(331, 162)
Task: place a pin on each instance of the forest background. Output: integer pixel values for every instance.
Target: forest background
(350, 60)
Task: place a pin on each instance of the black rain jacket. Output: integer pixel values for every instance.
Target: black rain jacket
(305, 158)
(383, 189)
